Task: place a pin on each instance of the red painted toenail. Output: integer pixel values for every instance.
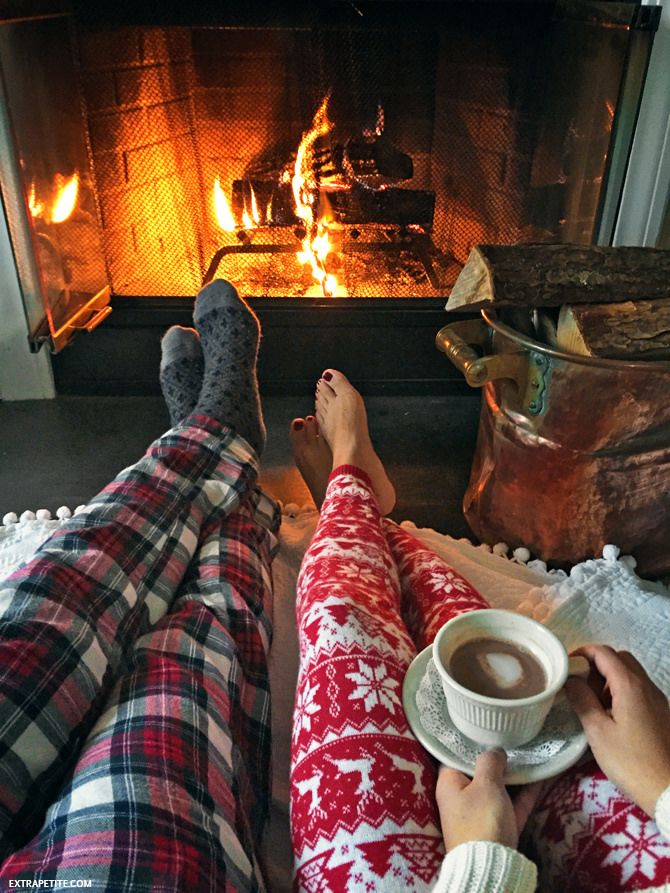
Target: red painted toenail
(327, 375)
(298, 424)
(309, 418)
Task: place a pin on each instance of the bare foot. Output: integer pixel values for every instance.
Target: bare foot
(312, 456)
(343, 422)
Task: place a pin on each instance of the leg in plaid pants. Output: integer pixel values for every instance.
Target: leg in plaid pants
(115, 638)
(363, 812)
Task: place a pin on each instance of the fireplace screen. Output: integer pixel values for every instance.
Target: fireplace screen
(359, 156)
(46, 188)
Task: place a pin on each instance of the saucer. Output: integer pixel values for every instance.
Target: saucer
(574, 748)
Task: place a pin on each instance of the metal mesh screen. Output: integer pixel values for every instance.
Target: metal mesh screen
(434, 144)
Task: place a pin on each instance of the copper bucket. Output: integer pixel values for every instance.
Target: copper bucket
(572, 452)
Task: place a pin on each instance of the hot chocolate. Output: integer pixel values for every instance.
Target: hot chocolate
(497, 668)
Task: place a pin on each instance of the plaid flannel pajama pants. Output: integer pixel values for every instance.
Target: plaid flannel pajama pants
(134, 702)
(363, 812)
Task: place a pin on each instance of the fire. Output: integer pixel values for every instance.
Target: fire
(317, 244)
(66, 191)
(66, 197)
(321, 237)
(224, 215)
(255, 215)
(36, 207)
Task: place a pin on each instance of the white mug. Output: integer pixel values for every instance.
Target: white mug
(502, 722)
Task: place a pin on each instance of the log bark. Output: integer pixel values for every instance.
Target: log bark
(546, 275)
(349, 160)
(627, 331)
(392, 206)
(355, 206)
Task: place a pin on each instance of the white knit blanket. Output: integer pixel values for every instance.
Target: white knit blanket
(600, 600)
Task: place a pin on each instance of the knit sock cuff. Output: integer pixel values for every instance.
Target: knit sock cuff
(354, 471)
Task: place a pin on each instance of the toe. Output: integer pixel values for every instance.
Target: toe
(323, 390)
(296, 434)
(336, 381)
(180, 342)
(311, 427)
(179, 334)
(217, 295)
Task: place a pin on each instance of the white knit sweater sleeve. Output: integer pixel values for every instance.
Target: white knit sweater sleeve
(485, 867)
(662, 813)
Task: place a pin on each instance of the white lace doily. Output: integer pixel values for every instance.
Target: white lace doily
(557, 733)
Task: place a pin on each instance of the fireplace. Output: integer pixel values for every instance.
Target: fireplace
(335, 161)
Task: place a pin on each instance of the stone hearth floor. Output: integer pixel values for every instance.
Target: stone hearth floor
(63, 451)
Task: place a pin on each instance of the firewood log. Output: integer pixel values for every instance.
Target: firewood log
(544, 275)
(627, 331)
(354, 206)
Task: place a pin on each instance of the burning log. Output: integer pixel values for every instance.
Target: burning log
(392, 206)
(379, 158)
(349, 161)
(354, 206)
(632, 330)
(553, 275)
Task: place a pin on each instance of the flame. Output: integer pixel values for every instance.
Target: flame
(250, 220)
(317, 245)
(36, 207)
(66, 197)
(224, 216)
(255, 215)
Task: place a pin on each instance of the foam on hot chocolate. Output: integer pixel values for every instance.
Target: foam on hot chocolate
(497, 668)
(504, 669)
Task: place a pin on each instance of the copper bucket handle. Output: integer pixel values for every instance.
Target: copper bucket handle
(456, 340)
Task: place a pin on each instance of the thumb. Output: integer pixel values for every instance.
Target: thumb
(585, 703)
(490, 766)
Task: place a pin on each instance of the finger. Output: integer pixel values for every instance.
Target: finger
(586, 705)
(608, 663)
(490, 766)
(452, 780)
(525, 801)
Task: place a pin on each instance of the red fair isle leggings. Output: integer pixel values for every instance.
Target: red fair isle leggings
(363, 811)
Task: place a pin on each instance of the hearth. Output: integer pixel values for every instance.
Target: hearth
(335, 161)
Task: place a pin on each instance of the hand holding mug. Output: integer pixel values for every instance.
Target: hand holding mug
(631, 740)
(480, 808)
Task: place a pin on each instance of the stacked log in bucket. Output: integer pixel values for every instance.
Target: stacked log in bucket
(572, 352)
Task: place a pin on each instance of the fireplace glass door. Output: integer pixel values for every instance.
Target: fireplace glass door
(359, 151)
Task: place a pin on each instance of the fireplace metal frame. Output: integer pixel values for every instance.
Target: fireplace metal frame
(36, 382)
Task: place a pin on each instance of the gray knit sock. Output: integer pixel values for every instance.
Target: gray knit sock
(229, 334)
(181, 372)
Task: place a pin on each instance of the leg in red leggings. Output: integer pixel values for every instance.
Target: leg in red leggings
(363, 813)
(432, 592)
(587, 837)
